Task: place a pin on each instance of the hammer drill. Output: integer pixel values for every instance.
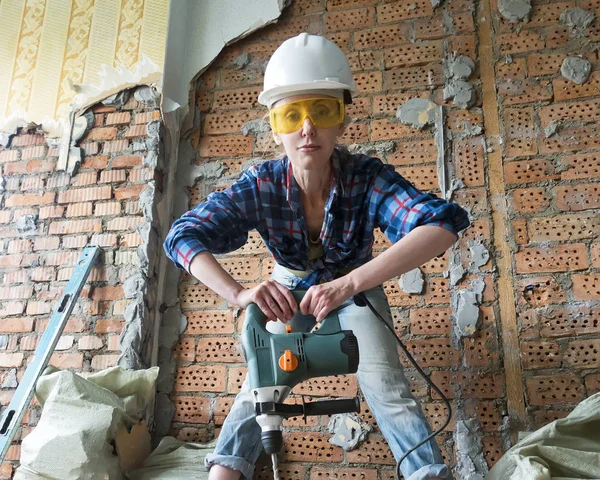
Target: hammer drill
(278, 362)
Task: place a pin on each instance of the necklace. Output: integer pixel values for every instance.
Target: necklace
(314, 242)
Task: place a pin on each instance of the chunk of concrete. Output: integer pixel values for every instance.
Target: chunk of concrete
(577, 18)
(576, 69)
(255, 126)
(455, 270)
(147, 95)
(117, 100)
(27, 224)
(462, 94)
(348, 430)
(10, 381)
(479, 256)
(515, 11)
(412, 281)
(551, 129)
(460, 67)
(417, 112)
(241, 61)
(465, 310)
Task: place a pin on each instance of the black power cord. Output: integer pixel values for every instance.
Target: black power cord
(361, 300)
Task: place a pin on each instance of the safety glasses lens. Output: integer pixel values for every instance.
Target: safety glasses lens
(322, 112)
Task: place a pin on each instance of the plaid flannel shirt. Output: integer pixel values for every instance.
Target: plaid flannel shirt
(365, 194)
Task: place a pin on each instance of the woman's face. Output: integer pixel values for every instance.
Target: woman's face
(310, 147)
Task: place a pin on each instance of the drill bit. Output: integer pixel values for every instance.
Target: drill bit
(275, 466)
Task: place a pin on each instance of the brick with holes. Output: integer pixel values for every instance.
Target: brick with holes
(577, 197)
(219, 349)
(190, 409)
(583, 353)
(200, 379)
(558, 258)
(529, 200)
(540, 354)
(563, 321)
(554, 389)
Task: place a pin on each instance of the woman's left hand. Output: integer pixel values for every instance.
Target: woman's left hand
(322, 299)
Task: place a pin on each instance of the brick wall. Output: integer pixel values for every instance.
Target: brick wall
(396, 51)
(47, 218)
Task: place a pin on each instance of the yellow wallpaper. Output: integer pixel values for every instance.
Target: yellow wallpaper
(48, 45)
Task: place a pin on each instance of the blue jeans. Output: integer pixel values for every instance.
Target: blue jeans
(381, 380)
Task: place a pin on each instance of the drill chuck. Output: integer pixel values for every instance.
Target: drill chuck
(272, 441)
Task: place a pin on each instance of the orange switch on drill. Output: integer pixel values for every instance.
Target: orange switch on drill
(288, 361)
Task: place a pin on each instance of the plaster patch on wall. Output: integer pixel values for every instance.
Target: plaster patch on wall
(515, 11)
(576, 69)
(348, 430)
(412, 281)
(471, 463)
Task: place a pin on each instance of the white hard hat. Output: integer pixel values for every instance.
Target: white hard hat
(305, 63)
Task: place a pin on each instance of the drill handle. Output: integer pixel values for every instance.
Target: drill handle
(330, 323)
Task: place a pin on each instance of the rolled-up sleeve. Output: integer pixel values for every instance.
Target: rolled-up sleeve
(219, 225)
(398, 207)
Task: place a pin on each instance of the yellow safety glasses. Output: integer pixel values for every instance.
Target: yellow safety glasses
(322, 112)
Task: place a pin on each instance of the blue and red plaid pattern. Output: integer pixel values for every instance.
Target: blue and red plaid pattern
(365, 194)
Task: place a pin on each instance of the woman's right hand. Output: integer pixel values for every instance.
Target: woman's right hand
(275, 300)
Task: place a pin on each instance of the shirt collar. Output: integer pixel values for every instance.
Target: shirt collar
(293, 192)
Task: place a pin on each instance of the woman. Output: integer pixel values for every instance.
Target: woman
(316, 209)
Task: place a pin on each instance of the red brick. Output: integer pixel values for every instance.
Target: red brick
(12, 308)
(382, 36)
(75, 226)
(42, 274)
(219, 349)
(565, 89)
(433, 352)
(126, 161)
(107, 293)
(554, 389)
(120, 118)
(563, 227)
(309, 446)
(16, 325)
(374, 450)
(9, 156)
(384, 129)
(393, 12)
(74, 241)
(581, 166)
(24, 140)
(79, 210)
(136, 131)
(324, 473)
(558, 258)
(520, 132)
(209, 322)
(129, 192)
(85, 194)
(104, 240)
(413, 54)
(112, 176)
(141, 175)
(19, 246)
(11, 359)
(58, 259)
(74, 325)
(212, 146)
(101, 362)
(531, 170)
(468, 384)
(540, 354)
(523, 41)
(528, 200)
(571, 139)
(28, 199)
(90, 342)
(236, 98)
(115, 146)
(107, 208)
(67, 360)
(200, 379)
(191, 409)
(124, 223)
(586, 287)
(95, 162)
(515, 91)
(109, 326)
(8, 261)
(16, 292)
(583, 354)
(102, 133)
(38, 151)
(17, 276)
(577, 197)
(32, 183)
(85, 178)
